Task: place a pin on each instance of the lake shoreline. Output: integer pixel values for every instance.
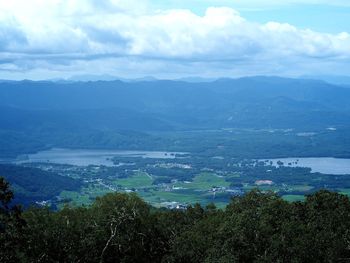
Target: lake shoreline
(324, 165)
(84, 157)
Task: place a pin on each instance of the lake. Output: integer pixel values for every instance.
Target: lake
(325, 165)
(85, 157)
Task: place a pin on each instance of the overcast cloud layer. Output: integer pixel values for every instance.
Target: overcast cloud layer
(42, 39)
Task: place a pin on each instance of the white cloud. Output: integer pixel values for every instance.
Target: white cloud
(84, 36)
(260, 3)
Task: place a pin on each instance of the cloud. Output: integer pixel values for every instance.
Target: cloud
(257, 3)
(80, 36)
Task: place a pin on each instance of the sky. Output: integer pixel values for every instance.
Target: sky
(58, 39)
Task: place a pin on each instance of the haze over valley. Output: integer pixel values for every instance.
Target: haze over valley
(174, 131)
(224, 121)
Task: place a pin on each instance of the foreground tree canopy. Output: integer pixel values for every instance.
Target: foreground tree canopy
(257, 227)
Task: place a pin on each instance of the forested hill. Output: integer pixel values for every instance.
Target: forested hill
(145, 115)
(138, 95)
(34, 185)
(163, 105)
(258, 227)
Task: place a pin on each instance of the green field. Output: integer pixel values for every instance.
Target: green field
(204, 181)
(203, 188)
(138, 180)
(75, 198)
(84, 197)
(185, 193)
(301, 188)
(160, 196)
(293, 198)
(345, 191)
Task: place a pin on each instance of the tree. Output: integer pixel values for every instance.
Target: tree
(11, 225)
(257, 227)
(6, 195)
(116, 228)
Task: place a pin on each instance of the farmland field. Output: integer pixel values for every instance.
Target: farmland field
(184, 181)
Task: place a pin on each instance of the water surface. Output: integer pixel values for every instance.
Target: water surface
(325, 165)
(85, 157)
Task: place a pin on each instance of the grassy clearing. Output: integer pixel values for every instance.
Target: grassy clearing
(94, 191)
(205, 181)
(272, 188)
(301, 188)
(160, 196)
(138, 180)
(345, 191)
(233, 175)
(75, 198)
(248, 187)
(85, 197)
(221, 205)
(293, 198)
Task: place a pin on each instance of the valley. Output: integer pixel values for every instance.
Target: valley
(174, 143)
(148, 131)
(175, 180)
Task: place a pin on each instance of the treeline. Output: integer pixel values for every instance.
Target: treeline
(257, 227)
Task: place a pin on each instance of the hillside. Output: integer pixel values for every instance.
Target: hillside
(153, 115)
(249, 102)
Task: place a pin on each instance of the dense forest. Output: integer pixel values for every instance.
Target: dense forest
(256, 227)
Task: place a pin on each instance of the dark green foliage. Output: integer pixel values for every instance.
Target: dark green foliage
(6, 195)
(257, 227)
(32, 184)
(11, 226)
(261, 227)
(116, 228)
